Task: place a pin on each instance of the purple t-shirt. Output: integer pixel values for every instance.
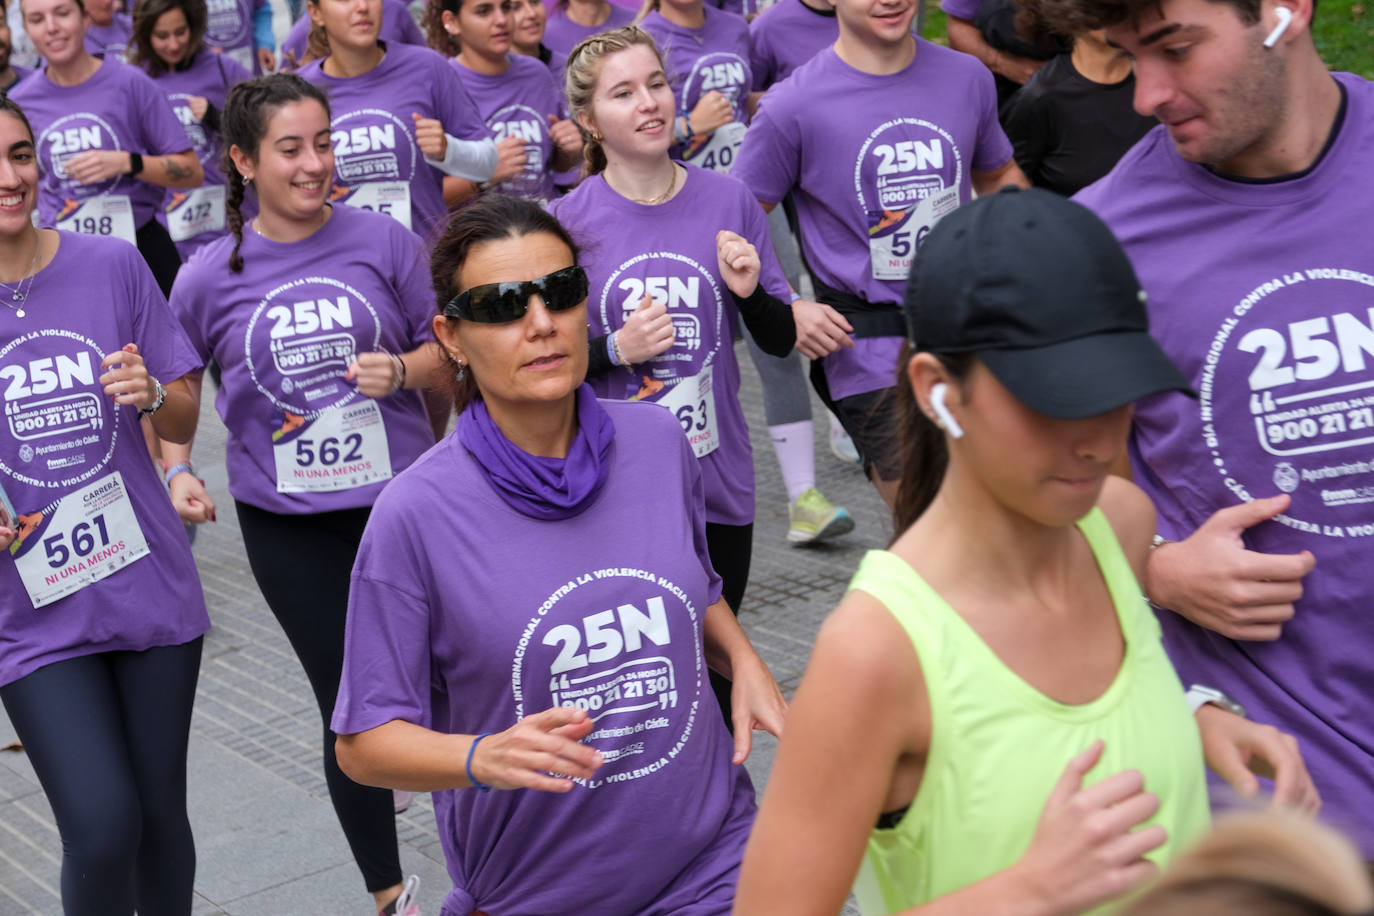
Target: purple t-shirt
(715, 56)
(284, 331)
(465, 616)
(398, 26)
(1262, 294)
(230, 29)
(102, 554)
(896, 154)
(374, 134)
(960, 9)
(111, 40)
(518, 103)
(785, 36)
(209, 76)
(562, 34)
(669, 251)
(118, 108)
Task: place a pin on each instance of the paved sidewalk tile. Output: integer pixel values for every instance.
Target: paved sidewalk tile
(266, 837)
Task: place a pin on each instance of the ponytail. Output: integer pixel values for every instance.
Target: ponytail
(436, 36)
(234, 212)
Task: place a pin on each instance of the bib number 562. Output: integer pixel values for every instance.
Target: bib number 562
(330, 450)
(82, 538)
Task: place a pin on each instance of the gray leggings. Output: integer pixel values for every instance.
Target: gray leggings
(786, 395)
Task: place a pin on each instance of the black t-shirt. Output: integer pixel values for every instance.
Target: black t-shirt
(1068, 131)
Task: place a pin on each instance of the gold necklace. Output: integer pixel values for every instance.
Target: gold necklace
(652, 201)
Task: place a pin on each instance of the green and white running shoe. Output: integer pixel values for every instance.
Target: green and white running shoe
(814, 518)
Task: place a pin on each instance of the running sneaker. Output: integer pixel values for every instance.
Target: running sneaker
(401, 799)
(406, 904)
(841, 446)
(814, 518)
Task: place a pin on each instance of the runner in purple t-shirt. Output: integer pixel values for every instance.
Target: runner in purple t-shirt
(912, 133)
(516, 96)
(109, 143)
(1245, 216)
(318, 316)
(402, 121)
(525, 639)
(652, 231)
(168, 47)
(570, 21)
(109, 31)
(398, 27)
(101, 609)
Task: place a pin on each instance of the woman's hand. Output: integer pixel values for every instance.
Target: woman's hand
(523, 756)
(820, 328)
(198, 104)
(1086, 848)
(267, 60)
(429, 136)
(190, 499)
(7, 536)
(1237, 750)
(738, 261)
(647, 332)
(377, 374)
(510, 159)
(756, 702)
(565, 136)
(712, 110)
(98, 165)
(129, 384)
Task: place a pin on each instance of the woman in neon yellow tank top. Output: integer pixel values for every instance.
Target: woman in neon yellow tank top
(1035, 752)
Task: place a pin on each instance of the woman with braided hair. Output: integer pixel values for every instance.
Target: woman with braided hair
(319, 317)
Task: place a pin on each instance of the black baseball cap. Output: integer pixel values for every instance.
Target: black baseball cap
(1039, 288)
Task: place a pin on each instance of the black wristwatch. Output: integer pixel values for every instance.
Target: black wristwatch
(135, 164)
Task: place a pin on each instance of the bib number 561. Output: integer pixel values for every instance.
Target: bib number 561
(82, 538)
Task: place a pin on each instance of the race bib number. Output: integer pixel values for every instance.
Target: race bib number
(691, 401)
(389, 197)
(196, 212)
(343, 448)
(892, 252)
(108, 214)
(719, 150)
(90, 535)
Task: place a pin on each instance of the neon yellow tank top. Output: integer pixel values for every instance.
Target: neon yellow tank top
(998, 746)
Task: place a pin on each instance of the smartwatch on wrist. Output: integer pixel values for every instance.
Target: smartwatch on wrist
(1199, 696)
(135, 164)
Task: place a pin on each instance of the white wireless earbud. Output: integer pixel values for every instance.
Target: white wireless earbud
(1285, 16)
(937, 404)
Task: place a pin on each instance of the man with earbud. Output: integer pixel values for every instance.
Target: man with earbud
(1246, 215)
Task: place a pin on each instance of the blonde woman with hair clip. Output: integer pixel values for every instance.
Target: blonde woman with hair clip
(676, 249)
(1270, 864)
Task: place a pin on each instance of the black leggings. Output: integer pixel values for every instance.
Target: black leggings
(160, 253)
(731, 548)
(302, 564)
(107, 736)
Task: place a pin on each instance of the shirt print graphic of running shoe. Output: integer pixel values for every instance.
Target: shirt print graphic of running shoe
(906, 179)
(625, 645)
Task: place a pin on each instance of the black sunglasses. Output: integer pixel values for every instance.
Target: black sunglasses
(497, 303)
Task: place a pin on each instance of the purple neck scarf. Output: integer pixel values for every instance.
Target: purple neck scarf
(543, 488)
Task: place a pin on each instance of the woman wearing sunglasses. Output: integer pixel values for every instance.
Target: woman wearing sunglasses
(533, 608)
(318, 317)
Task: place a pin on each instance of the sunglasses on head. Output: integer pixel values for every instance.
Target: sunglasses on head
(497, 303)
